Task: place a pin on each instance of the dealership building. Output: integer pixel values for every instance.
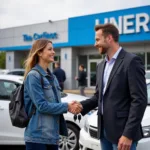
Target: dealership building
(74, 40)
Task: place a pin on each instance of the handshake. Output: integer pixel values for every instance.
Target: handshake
(75, 107)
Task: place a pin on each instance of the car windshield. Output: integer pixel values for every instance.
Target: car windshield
(147, 75)
(148, 92)
(63, 95)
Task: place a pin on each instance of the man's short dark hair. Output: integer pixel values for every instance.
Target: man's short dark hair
(107, 29)
(82, 66)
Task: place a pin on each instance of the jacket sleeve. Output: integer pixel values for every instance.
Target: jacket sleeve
(35, 91)
(91, 103)
(138, 94)
(81, 76)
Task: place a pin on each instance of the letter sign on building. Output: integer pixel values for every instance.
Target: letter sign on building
(129, 24)
(37, 36)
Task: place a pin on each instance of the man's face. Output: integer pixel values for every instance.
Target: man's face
(101, 42)
(80, 68)
(55, 65)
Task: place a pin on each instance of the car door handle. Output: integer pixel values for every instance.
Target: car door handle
(1, 108)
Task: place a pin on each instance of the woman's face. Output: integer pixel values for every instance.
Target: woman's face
(47, 55)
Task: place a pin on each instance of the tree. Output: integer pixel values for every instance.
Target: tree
(2, 60)
(22, 63)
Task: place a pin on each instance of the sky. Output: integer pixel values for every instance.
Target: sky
(25, 12)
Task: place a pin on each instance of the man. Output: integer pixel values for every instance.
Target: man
(81, 79)
(60, 75)
(121, 94)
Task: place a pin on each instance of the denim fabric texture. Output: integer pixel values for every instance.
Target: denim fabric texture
(47, 122)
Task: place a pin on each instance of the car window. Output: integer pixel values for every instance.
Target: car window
(6, 88)
(20, 73)
(148, 92)
(147, 75)
(63, 94)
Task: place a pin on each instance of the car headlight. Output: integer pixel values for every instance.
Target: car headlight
(146, 131)
(86, 125)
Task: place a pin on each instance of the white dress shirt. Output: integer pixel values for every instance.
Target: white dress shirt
(108, 68)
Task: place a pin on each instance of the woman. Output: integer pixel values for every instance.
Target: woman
(47, 122)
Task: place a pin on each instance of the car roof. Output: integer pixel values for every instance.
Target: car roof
(3, 71)
(17, 69)
(14, 78)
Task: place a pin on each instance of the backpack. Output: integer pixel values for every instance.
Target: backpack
(18, 115)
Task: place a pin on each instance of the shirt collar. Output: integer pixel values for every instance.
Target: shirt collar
(115, 55)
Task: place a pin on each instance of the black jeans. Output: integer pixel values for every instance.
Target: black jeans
(61, 86)
(38, 146)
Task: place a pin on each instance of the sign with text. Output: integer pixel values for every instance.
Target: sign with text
(37, 36)
(133, 25)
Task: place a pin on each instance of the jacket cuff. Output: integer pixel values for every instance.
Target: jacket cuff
(66, 107)
(128, 134)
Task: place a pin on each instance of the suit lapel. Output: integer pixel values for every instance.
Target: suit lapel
(118, 62)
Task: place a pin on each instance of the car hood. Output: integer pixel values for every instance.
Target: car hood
(146, 118)
(71, 97)
(147, 81)
(92, 119)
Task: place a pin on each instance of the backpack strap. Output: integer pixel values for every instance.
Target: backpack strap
(33, 107)
(42, 81)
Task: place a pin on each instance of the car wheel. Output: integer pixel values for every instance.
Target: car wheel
(72, 141)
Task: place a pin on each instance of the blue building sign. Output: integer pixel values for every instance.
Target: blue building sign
(37, 36)
(133, 25)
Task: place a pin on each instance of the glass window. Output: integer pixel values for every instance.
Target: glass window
(148, 92)
(147, 75)
(56, 59)
(63, 95)
(93, 66)
(142, 56)
(83, 60)
(19, 73)
(148, 61)
(95, 56)
(6, 88)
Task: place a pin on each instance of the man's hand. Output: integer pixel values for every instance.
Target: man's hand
(124, 143)
(75, 107)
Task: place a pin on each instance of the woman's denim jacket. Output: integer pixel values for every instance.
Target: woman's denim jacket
(47, 123)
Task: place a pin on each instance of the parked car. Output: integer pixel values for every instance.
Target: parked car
(88, 134)
(19, 72)
(3, 71)
(10, 135)
(147, 74)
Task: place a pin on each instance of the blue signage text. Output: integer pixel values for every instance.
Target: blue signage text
(37, 36)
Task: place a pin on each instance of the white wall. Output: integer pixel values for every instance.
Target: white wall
(14, 36)
(19, 56)
(10, 60)
(130, 47)
(68, 63)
